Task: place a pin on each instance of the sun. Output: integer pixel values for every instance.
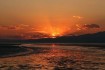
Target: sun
(55, 34)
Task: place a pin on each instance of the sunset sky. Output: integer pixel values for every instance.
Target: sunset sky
(38, 18)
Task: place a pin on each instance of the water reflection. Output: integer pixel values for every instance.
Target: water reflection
(53, 57)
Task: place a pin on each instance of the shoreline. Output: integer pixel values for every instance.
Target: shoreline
(12, 50)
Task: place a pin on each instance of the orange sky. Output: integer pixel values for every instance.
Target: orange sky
(30, 18)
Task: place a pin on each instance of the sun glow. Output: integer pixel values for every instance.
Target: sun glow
(53, 31)
(55, 34)
(53, 27)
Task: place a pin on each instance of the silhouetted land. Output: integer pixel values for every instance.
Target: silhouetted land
(87, 38)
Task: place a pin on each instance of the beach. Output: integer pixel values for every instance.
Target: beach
(52, 57)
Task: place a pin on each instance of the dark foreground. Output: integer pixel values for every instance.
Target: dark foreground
(51, 57)
(10, 49)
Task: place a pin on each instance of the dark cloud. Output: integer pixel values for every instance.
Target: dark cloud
(91, 26)
(9, 27)
(14, 27)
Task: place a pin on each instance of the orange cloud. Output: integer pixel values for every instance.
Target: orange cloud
(78, 17)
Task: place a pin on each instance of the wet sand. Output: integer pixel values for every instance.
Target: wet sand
(56, 57)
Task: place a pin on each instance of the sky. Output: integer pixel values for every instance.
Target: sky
(36, 18)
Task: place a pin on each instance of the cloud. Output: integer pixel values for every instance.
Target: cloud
(80, 27)
(14, 27)
(91, 26)
(9, 27)
(78, 17)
